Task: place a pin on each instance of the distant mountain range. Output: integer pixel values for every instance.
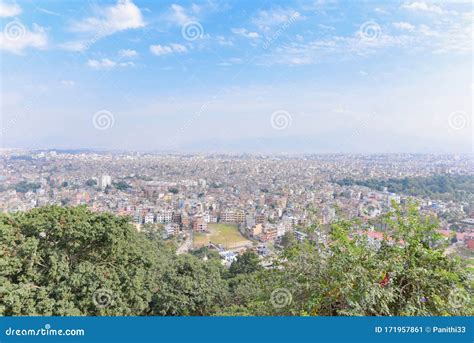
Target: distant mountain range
(328, 142)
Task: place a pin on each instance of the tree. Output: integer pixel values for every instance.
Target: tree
(70, 261)
(91, 183)
(407, 274)
(189, 286)
(288, 240)
(24, 186)
(154, 232)
(122, 185)
(173, 190)
(444, 186)
(248, 295)
(246, 263)
(204, 251)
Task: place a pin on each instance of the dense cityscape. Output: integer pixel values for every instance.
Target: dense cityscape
(233, 203)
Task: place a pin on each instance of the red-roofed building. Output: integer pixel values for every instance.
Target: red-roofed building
(469, 240)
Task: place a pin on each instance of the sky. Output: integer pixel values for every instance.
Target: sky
(316, 76)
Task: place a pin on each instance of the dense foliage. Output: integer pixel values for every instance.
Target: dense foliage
(246, 263)
(71, 261)
(24, 186)
(121, 185)
(444, 186)
(91, 182)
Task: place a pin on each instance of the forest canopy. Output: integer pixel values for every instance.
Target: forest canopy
(444, 186)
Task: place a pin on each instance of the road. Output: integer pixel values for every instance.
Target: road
(186, 245)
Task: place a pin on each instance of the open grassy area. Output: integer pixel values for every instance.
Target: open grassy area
(226, 234)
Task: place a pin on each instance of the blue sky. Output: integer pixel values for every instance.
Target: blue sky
(269, 76)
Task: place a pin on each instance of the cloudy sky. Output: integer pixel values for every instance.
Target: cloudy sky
(269, 76)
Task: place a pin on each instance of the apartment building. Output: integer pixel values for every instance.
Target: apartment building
(199, 224)
(231, 216)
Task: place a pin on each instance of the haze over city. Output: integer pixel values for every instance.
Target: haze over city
(260, 77)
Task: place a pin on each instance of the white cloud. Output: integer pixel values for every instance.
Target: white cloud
(102, 64)
(381, 10)
(107, 21)
(9, 9)
(126, 64)
(326, 27)
(278, 16)
(68, 83)
(454, 36)
(178, 15)
(122, 16)
(44, 10)
(76, 46)
(221, 40)
(16, 37)
(422, 6)
(167, 49)
(106, 63)
(230, 61)
(245, 33)
(404, 26)
(427, 31)
(128, 53)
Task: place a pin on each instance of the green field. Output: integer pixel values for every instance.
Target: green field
(226, 234)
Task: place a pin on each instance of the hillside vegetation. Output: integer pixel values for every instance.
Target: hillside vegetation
(71, 261)
(443, 186)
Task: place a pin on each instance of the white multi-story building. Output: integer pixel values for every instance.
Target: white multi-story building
(149, 218)
(281, 229)
(105, 180)
(164, 217)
